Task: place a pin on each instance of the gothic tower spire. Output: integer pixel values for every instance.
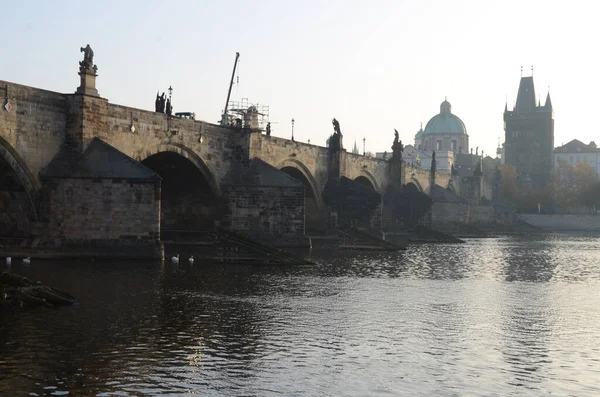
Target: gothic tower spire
(548, 104)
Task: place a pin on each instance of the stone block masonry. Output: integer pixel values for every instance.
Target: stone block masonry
(270, 214)
(108, 214)
(101, 209)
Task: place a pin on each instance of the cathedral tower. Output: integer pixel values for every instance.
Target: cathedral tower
(529, 135)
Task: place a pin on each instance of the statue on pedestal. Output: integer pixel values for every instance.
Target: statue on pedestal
(169, 108)
(87, 65)
(87, 73)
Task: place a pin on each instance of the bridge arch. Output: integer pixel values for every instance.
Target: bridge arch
(18, 190)
(314, 219)
(309, 179)
(415, 182)
(366, 178)
(189, 193)
(188, 154)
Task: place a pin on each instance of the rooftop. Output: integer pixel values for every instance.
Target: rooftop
(576, 146)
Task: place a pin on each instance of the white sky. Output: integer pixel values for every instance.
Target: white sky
(374, 65)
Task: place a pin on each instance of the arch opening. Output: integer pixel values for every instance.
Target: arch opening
(313, 221)
(16, 208)
(188, 201)
(411, 187)
(363, 180)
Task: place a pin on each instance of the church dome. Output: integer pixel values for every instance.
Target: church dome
(445, 122)
(420, 132)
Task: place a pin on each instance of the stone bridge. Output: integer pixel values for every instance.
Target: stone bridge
(58, 181)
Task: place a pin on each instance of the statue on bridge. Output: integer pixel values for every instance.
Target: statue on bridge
(335, 140)
(269, 129)
(162, 104)
(87, 65)
(336, 127)
(397, 147)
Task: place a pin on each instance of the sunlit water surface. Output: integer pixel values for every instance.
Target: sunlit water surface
(493, 317)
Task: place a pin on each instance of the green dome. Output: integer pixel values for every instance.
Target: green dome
(445, 122)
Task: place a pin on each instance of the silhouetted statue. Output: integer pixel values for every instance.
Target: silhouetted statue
(385, 155)
(336, 127)
(88, 59)
(477, 151)
(395, 136)
(162, 102)
(471, 150)
(169, 108)
(269, 129)
(433, 169)
(157, 103)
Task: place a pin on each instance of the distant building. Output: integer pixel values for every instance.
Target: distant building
(500, 154)
(443, 133)
(355, 148)
(418, 158)
(529, 135)
(577, 151)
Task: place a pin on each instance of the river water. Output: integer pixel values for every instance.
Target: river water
(492, 317)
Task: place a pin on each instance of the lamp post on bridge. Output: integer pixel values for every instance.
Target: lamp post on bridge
(293, 121)
(364, 146)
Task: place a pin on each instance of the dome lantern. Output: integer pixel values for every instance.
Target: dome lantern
(445, 107)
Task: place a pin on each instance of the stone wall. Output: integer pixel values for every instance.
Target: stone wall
(420, 177)
(563, 222)
(15, 214)
(101, 209)
(481, 214)
(210, 147)
(445, 214)
(36, 126)
(375, 170)
(266, 213)
(311, 160)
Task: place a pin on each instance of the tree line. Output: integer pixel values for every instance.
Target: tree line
(569, 187)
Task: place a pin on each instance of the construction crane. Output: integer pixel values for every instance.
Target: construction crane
(224, 116)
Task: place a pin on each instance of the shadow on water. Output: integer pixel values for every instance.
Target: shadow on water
(131, 316)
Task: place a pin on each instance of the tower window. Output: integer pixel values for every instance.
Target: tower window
(454, 146)
(439, 145)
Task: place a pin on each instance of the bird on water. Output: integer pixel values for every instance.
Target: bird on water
(175, 259)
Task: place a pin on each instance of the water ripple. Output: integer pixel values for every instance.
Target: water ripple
(505, 316)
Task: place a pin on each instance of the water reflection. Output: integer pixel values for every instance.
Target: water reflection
(492, 316)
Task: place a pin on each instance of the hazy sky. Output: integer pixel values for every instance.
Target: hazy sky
(374, 65)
